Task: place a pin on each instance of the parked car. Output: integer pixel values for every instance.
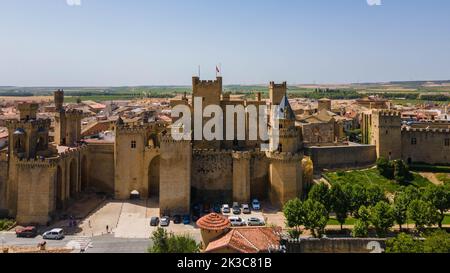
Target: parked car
(165, 221)
(246, 209)
(236, 221)
(154, 222)
(256, 205)
(54, 234)
(236, 208)
(216, 208)
(26, 232)
(177, 219)
(186, 219)
(226, 208)
(253, 221)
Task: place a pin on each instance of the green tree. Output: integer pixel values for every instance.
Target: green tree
(437, 242)
(401, 172)
(375, 194)
(164, 242)
(404, 243)
(360, 229)
(340, 203)
(364, 214)
(400, 208)
(182, 244)
(294, 214)
(439, 196)
(382, 218)
(160, 239)
(321, 193)
(358, 197)
(422, 213)
(385, 168)
(316, 217)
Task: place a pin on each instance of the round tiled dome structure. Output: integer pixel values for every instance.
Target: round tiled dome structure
(213, 221)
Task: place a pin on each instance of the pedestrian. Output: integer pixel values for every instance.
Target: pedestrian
(107, 229)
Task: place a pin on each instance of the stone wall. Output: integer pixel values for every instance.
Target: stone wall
(101, 167)
(212, 176)
(342, 157)
(337, 245)
(429, 146)
(3, 180)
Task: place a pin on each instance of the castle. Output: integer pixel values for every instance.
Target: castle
(414, 142)
(40, 179)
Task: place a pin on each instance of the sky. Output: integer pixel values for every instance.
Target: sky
(163, 42)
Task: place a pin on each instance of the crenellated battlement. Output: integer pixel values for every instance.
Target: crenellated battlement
(242, 155)
(390, 113)
(427, 130)
(284, 157)
(14, 124)
(196, 82)
(272, 84)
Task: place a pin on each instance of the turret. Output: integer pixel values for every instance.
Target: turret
(59, 100)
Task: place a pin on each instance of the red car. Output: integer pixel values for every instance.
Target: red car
(26, 232)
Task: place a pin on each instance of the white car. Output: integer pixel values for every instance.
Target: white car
(236, 221)
(255, 222)
(54, 234)
(226, 208)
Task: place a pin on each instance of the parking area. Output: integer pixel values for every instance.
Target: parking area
(129, 219)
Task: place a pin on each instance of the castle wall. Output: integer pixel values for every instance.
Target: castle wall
(259, 173)
(101, 170)
(3, 179)
(342, 157)
(241, 177)
(212, 176)
(285, 174)
(36, 193)
(175, 176)
(429, 146)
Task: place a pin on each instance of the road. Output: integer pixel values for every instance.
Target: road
(96, 244)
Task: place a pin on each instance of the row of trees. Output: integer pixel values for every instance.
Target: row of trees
(435, 242)
(369, 206)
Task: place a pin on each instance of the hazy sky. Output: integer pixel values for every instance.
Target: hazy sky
(162, 42)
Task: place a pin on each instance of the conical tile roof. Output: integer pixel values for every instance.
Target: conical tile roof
(213, 221)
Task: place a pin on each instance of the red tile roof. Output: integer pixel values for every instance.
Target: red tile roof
(213, 221)
(247, 240)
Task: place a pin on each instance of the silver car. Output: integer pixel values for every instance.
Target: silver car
(253, 221)
(54, 234)
(165, 221)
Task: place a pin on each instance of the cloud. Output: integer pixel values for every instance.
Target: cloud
(73, 2)
(374, 2)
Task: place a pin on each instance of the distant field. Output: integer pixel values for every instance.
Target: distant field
(400, 92)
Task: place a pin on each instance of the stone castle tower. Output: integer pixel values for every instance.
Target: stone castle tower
(211, 93)
(67, 122)
(175, 176)
(285, 171)
(386, 133)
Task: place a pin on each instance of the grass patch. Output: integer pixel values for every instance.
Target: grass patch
(348, 222)
(444, 177)
(372, 176)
